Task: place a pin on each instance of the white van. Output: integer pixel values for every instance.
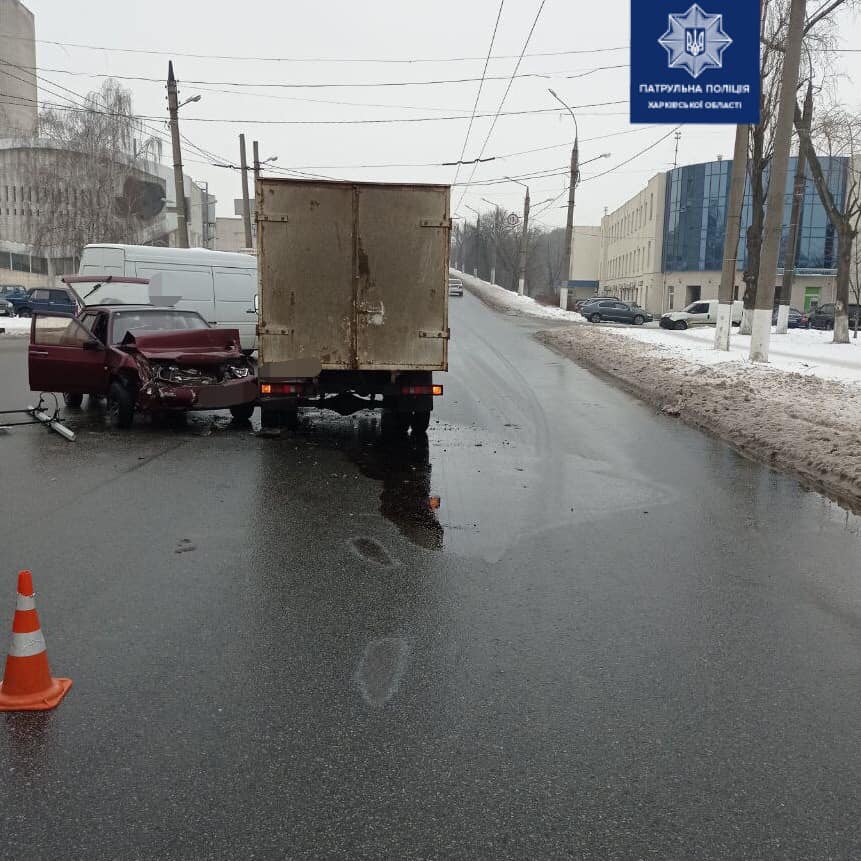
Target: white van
(701, 313)
(219, 285)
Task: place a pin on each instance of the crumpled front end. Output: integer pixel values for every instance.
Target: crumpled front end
(169, 385)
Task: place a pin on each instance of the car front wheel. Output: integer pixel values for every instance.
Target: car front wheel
(25, 312)
(121, 405)
(595, 318)
(680, 325)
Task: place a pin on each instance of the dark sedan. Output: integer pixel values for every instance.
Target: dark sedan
(606, 311)
(797, 319)
(823, 316)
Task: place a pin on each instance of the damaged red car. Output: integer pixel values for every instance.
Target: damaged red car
(142, 359)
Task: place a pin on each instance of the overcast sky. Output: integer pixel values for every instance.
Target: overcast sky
(344, 43)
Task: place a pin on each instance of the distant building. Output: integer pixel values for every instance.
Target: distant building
(663, 248)
(229, 234)
(585, 261)
(40, 178)
(19, 109)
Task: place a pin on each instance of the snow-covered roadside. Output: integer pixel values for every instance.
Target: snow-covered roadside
(15, 325)
(800, 351)
(506, 300)
(801, 423)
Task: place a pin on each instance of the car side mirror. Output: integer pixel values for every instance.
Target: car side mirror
(92, 344)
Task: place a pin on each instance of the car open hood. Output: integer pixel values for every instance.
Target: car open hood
(194, 346)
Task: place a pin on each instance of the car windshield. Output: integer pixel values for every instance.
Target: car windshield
(154, 321)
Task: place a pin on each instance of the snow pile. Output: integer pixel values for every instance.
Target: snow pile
(506, 300)
(802, 423)
(15, 325)
(800, 351)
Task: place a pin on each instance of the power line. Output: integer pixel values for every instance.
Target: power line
(478, 94)
(504, 97)
(259, 59)
(377, 121)
(304, 86)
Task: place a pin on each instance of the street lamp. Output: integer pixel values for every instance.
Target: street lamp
(189, 100)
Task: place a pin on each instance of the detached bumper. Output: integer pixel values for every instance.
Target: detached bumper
(231, 393)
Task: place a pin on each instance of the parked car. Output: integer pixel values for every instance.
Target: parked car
(455, 287)
(59, 300)
(823, 316)
(142, 358)
(797, 319)
(616, 312)
(9, 291)
(703, 313)
(580, 304)
(7, 309)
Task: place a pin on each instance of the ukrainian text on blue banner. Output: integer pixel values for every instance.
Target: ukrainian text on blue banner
(695, 63)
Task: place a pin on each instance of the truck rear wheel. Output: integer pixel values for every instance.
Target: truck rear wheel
(394, 424)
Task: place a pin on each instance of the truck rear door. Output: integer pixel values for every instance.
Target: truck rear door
(402, 271)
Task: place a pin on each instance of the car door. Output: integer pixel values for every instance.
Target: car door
(64, 357)
(39, 300)
(623, 312)
(59, 302)
(235, 290)
(699, 312)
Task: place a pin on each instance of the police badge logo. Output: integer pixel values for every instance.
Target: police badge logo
(695, 41)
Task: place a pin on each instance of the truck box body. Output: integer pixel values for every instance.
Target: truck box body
(352, 275)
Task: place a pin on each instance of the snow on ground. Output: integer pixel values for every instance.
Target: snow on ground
(15, 325)
(504, 299)
(808, 352)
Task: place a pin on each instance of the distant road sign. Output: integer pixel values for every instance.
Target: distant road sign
(512, 219)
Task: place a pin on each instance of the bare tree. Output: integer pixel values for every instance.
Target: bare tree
(91, 178)
(838, 132)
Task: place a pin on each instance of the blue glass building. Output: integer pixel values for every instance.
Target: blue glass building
(695, 218)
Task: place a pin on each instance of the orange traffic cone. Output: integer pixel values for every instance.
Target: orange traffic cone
(27, 683)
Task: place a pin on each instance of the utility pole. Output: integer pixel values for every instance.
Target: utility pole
(761, 328)
(205, 208)
(477, 243)
(246, 205)
(568, 262)
(794, 220)
(256, 153)
(521, 279)
(731, 240)
(179, 183)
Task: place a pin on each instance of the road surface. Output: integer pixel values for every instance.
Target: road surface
(615, 638)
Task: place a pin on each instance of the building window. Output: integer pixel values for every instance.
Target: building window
(671, 297)
(651, 206)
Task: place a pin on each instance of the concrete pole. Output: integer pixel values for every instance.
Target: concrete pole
(568, 265)
(731, 240)
(794, 221)
(521, 281)
(256, 153)
(246, 203)
(179, 183)
(761, 328)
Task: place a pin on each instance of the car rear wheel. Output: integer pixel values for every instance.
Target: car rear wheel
(595, 318)
(680, 325)
(242, 412)
(121, 406)
(73, 400)
(639, 320)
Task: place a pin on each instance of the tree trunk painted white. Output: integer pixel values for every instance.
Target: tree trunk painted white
(521, 286)
(841, 323)
(760, 335)
(493, 275)
(782, 319)
(563, 298)
(723, 326)
(746, 321)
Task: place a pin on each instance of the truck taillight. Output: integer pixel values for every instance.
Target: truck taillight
(435, 390)
(282, 388)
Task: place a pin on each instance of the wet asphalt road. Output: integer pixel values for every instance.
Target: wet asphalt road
(615, 638)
